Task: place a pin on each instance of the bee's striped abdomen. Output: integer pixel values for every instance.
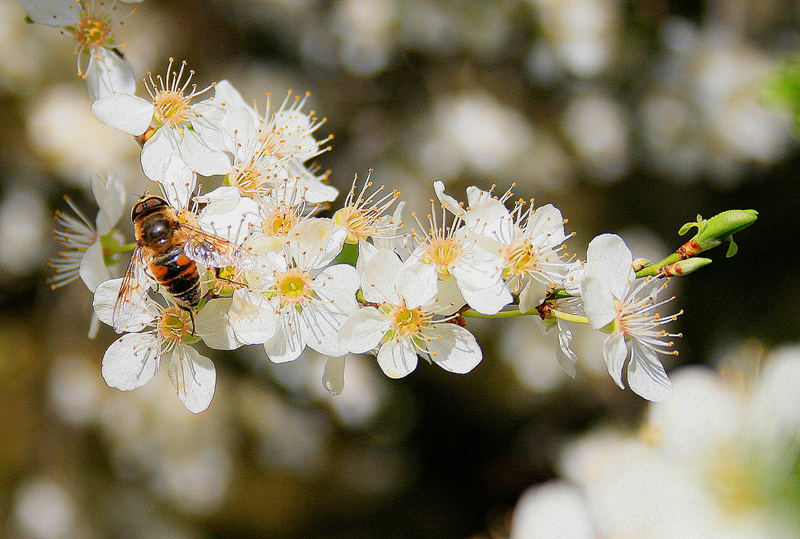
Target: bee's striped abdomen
(178, 274)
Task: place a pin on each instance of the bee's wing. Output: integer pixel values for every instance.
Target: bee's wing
(132, 294)
(212, 250)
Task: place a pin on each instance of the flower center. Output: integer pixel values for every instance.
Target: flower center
(443, 253)
(279, 222)
(520, 259)
(92, 32)
(171, 107)
(249, 181)
(174, 325)
(734, 480)
(293, 287)
(407, 322)
(271, 142)
(358, 224)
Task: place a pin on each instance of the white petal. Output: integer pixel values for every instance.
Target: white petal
(221, 200)
(105, 298)
(193, 376)
(320, 327)
(158, 151)
(125, 112)
(200, 157)
(109, 73)
(131, 360)
(547, 225)
(235, 224)
(447, 201)
(364, 330)
(337, 286)
(288, 343)
(448, 299)
(93, 269)
(227, 96)
(477, 196)
(487, 300)
(178, 182)
(397, 359)
(597, 302)
(252, 317)
(614, 352)
(319, 241)
(51, 12)
(379, 277)
(213, 327)
(564, 354)
(552, 510)
(532, 295)
(109, 193)
(453, 348)
(416, 283)
(333, 375)
(314, 191)
(609, 260)
(646, 376)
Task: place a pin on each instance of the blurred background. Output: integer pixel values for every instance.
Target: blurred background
(631, 117)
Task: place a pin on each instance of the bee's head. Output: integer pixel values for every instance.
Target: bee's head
(147, 204)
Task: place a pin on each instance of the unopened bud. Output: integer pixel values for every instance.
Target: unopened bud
(683, 267)
(639, 263)
(712, 232)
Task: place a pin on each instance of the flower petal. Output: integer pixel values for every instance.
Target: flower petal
(109, 193)
(397, 358)
(200, 157)
(364, 330)
(288, 342)
(93, 269)
(131, 360)
(252, 317)
(213, 326)
(416, 283)
(193, 376)
(564, 354)
(609, 260)
(447, 201)
(453, 348)
(598, 302)
(379, 277)
(51, 12)
(105, 299)
(615, 352)
(109, 73)
(646, 376)
(125, 112)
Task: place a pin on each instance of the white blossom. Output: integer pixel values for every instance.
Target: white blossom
(617, 303)
(181, 138)
(160, 336)
(407, 316)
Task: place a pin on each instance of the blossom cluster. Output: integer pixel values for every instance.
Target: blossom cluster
(264, 263)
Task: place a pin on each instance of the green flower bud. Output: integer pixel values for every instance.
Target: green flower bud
(683, 267)
(712, 232)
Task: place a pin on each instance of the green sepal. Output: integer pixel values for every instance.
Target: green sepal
(732, 248)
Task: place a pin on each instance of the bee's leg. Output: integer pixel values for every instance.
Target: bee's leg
(191, 316)
(218, 275)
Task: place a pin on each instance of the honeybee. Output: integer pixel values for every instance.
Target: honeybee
(169, 244)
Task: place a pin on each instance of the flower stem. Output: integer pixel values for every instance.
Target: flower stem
(569, 317)
(469, 313)
(653, 269)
